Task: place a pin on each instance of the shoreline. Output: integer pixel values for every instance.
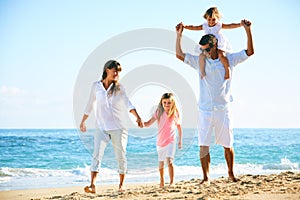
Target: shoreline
(285, 185)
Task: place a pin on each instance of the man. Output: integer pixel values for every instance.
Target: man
(215, 96)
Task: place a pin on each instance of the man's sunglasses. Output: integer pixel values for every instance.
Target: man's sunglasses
(207, 49)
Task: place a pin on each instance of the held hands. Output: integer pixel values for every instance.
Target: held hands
(179, 28)
(246, 24)
(140, 122)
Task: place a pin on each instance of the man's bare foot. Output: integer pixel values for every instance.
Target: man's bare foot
(90, 189)
(233, 179)
(171, 185)
(205, 182)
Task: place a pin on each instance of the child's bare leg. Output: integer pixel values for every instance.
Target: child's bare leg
(202, 64)
(171, 170)
(225, 62)
(161, 174)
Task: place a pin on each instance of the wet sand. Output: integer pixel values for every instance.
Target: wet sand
(285, 185)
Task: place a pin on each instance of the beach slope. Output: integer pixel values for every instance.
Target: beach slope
(285, 185)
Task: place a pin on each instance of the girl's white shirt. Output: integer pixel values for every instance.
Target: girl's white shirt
(216, 30)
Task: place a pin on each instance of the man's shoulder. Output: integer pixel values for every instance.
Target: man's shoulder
(189, 56)
(191, 60)
(241, 53)
(237, 57)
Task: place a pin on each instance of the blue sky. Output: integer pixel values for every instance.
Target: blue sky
(45, 43)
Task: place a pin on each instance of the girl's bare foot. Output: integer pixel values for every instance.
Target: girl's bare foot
(121, 189)
(162, 184)
(171, 185)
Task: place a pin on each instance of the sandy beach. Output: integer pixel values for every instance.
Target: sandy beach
(285, 185)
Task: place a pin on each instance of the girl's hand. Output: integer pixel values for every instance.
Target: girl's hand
(146, 124)
(179, 145)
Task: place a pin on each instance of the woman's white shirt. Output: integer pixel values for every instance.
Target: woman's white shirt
(111, 110)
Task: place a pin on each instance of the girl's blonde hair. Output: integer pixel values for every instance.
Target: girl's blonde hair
(212, 12)
(160, 109)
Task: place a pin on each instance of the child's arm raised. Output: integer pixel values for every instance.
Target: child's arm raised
(231, 26)
(193, 28)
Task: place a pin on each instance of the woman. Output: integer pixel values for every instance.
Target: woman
(112, 105)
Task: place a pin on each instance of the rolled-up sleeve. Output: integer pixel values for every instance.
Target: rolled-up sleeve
(236, 58)
(130, 106)
(92, 99)
(192, 60)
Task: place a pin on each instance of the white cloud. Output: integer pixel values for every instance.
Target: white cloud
(21, 108)
(11, 91)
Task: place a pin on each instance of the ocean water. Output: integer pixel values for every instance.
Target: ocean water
(39, 158)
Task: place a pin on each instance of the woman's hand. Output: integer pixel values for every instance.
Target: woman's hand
(83, 127)
(140, 122)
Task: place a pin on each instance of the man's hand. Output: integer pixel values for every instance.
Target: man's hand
(179, 53)
(179, 28)
(246, 24)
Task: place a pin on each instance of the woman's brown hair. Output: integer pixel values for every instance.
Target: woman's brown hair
(112, 64)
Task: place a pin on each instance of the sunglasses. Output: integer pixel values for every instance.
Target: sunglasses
(207, 49)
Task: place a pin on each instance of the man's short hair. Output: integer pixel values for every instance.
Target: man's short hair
(208, 39)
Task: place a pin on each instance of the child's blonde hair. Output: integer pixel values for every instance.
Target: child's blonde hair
(212, 12)
(160, 109)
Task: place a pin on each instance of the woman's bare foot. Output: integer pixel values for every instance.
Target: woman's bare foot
(90, 189)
